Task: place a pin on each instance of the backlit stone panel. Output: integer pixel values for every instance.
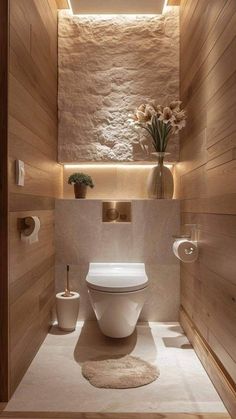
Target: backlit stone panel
(107, 67)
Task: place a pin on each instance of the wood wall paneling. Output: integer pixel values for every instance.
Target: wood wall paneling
(33, 139)
(219, 376)
(207, 183)
(73, 415)
(173, 3)
(62, 4)
(4, 341)
(206, 176)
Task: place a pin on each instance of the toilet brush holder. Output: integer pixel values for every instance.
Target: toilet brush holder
(67, 309)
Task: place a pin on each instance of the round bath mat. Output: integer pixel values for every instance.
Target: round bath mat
(126, 372)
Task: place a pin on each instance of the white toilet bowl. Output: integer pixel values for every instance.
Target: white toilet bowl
(117, 292)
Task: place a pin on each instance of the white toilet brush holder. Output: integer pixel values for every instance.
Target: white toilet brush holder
(67, 307)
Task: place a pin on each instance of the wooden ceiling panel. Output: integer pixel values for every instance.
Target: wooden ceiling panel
(62, 4)
(173, 2)
(117, 6)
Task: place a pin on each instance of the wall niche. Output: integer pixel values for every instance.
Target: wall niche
(109, 65)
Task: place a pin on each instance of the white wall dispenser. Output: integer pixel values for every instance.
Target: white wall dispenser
(20, 172)
(185, 246)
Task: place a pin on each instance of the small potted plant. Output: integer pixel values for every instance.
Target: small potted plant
(80, 181)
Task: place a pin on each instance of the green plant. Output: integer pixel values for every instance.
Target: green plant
(81, 178)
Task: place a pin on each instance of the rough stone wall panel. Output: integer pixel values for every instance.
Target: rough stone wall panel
(107, 67)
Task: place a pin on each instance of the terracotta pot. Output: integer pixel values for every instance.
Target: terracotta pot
(80, 190)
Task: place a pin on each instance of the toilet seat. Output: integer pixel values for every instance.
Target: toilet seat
(117, 277)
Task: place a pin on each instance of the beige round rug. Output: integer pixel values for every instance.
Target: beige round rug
(126, 372)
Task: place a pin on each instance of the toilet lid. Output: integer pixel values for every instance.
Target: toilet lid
(117, 277)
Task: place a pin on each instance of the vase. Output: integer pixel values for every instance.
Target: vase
(80, 190)
(160, 180)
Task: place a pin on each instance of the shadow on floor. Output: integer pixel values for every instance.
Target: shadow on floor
(56, 331)
(177, 329)
(180, 341)
(93, 345)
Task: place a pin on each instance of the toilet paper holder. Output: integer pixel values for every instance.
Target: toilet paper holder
(181, 236)
(185, 246)
(26, 225)
(29, 229)
(191, 233)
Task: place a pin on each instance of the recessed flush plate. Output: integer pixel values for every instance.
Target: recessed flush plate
(116, 212)
(117, 6)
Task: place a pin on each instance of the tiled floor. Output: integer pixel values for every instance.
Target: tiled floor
(54, 382)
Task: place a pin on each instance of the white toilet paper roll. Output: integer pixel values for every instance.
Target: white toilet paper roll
(30, 235)
(185, 250)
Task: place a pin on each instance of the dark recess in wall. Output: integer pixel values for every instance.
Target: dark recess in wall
(3, 202)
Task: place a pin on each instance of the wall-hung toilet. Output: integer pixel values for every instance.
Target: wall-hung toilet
(117, 292)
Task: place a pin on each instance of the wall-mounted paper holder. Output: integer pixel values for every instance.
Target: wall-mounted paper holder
(185, 246)
(181, 236)
(29, 228)
(26, 225)
(190, 233)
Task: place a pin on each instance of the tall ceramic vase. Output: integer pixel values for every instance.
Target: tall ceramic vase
(160, 181)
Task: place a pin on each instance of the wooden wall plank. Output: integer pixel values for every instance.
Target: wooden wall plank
(222, 204)
(46, 127)
(207, 176)
(23, 283)
(62, 4)
(187, 13)
(173, 2)
(26, 309)
(201, 29)
(222, 354)
(74, 415)
(18, 131)
(25, 69)
(221, 379)
(29, 202)
(37, 36)
(19, 263)
(4, 342)
(37, 181)
(209, 294)
(32, 139)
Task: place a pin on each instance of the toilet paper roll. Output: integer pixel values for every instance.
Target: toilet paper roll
(185, 250)
(30, 233)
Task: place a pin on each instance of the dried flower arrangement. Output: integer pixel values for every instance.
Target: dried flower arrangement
(160, 122)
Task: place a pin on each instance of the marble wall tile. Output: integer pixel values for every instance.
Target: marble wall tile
(82, 237)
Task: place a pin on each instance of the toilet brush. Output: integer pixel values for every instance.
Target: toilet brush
(67, 292)
(67, 306)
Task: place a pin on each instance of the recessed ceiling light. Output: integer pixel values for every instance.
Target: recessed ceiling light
(112, 7)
